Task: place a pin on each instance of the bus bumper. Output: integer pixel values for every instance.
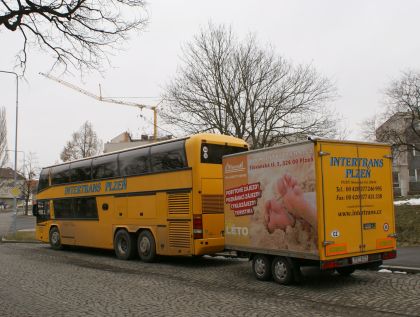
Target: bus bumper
(208, 246)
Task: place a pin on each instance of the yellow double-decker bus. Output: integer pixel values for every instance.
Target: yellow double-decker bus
(161, 199)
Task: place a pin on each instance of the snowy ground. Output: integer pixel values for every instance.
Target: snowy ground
(411, 201)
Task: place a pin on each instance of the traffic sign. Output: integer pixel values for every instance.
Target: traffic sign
(15, 191)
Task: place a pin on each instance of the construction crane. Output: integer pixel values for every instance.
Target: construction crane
(110, 100)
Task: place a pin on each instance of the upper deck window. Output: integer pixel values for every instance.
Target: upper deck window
(168, 156)
(105, 167)
(44, 179)
(213, 153)
(134, 162)
(81, 171)
(60, 174)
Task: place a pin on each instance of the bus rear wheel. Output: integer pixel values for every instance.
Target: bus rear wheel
(55, 239)
(146, 246)
(124, 245)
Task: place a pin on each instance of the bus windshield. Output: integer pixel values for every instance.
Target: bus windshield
(213, 153)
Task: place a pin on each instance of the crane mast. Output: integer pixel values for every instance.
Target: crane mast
(109, 100)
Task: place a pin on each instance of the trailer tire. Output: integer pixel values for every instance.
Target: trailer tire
(261, 266)
(124, 245)
(282, 271)
(346, 271)
(146, 246)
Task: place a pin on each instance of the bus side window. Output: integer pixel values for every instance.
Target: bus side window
(134, 162)
(168, 156)
(44, 181)
(41, 210)
(60, 174)
(81, 171)
(85, 208)
(63, 208)
(105, 167)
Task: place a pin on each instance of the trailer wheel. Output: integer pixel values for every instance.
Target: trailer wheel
(124, 245)
(261, 265)
(282, 271)
(346, 271)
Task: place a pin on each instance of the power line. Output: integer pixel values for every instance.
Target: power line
(171, 133)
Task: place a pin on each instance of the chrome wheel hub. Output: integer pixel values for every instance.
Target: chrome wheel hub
(144, 245)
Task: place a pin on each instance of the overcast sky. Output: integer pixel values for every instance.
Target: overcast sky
(360, 45)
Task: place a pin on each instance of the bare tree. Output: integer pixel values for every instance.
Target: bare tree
(402, 115)
(240, 89)
(75, 32)
(369, 126)
(83, 143)
(29, 171)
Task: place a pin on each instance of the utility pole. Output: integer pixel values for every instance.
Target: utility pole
(16, 137)
(110, 100)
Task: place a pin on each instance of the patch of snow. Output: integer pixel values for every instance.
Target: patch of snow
(384, 271)
(412, 201)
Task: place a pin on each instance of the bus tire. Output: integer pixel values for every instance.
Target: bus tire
(345, 271)
(282, 271)
(146, 246)
(124, 245)
(261, 266)
(55, 238)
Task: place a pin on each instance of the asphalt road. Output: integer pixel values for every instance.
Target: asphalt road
(407, 256)
(38, 281)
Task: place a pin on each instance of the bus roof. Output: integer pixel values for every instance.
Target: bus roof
(200, 136)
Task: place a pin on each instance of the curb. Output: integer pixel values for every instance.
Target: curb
(18, 241)
(411, 270)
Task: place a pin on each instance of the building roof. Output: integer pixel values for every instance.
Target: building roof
(9, 173)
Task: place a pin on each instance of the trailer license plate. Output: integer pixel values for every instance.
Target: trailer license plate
(359, 259)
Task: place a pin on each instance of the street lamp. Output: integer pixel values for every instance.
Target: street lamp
(24, 161)
(16, 136)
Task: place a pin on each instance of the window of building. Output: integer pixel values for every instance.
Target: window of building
(415, 148)
(414, 175)
(396, 179)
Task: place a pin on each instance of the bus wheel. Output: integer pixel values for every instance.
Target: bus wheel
(146, 246)
(261, 265)
(345, 271)
(55, 240)
(124, 245)
(282, 271)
